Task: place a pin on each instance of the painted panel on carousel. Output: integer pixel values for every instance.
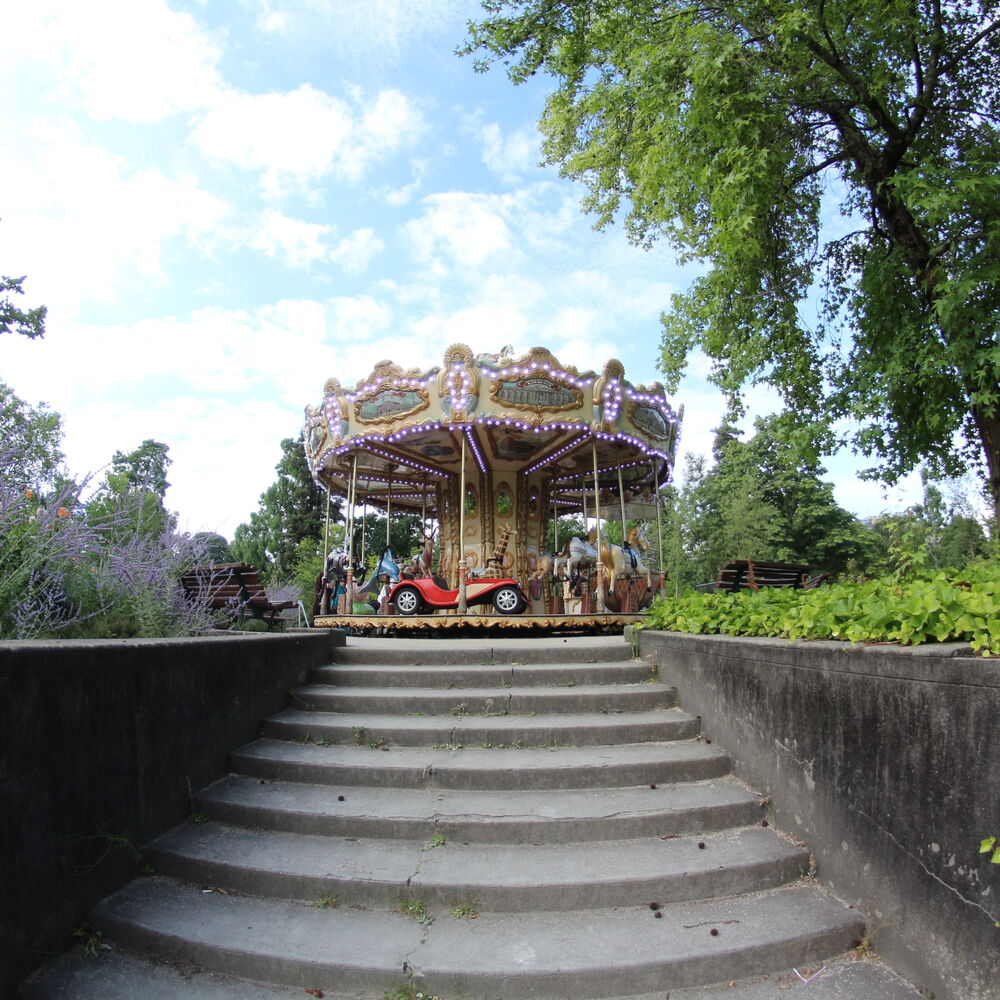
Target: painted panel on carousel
(651, 420)
(433, 446)
(389, 403)
(513, 445)
(535, 391)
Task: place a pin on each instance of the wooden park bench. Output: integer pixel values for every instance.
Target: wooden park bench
(234, 588)
(746, 574)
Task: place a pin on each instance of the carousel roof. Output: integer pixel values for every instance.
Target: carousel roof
(399, 432)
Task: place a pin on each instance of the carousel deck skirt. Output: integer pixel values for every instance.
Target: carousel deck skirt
(480, 624)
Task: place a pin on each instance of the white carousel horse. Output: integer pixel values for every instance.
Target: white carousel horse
(577, 554)
(626, 560)
(580, 554)
(495, 360)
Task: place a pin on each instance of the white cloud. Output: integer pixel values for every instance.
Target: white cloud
(85, 222)
(354, 252)
(371, 26)
(136, 60)
(509, 154)
(357, 320)
(461, 229)
(298, 243)
(296, 138)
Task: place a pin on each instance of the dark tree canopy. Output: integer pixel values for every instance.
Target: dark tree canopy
(732, 127)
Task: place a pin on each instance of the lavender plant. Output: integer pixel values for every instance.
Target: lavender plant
(71, 568)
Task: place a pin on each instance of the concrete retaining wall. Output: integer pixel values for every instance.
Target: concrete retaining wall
(886, 762)
(99, 745)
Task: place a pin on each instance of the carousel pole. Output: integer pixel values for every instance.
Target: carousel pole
(627, 604)
(621, 501)
(597, 509)
(364, 517)
(352, 495)
(324, 601)
(463, 601)
(659, 534)
(388, 502)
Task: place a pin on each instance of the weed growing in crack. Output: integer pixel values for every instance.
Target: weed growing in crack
(467, 910)
(414, 908)
(438, 840)
(91, 942)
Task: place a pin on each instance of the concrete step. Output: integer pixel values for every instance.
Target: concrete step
(506, 651)
(551, 816)
(481, 768)
(119, 975)
(583, 845)
(492, 878)
(572, 955)
(576, 729)
(485, 701)
(489, 675)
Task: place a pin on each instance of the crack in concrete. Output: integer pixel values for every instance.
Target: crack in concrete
(927, 871)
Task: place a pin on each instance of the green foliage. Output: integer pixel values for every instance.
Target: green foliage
(942, 606)
(91, 941)
(722, 127)
(105, 568)
(30, 444)
(759, 501)
(29, 323)
(291, 509)
(991, 846)
(134, 489)
(216, 547)
(405, 535)
(568, 527)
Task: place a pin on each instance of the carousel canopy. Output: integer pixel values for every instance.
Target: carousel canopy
(399, 432)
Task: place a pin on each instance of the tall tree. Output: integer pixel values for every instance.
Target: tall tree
(720, 125)
(134, 491)
(759, 501)
(292, 508)
(30, 443)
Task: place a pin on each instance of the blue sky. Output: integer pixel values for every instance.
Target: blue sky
(225, 204)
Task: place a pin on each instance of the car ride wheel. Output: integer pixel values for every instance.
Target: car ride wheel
(408, 601)
(507, 601)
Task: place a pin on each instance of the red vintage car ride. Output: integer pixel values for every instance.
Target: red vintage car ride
(414, 597)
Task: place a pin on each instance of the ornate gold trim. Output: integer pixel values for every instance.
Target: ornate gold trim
(482, 623)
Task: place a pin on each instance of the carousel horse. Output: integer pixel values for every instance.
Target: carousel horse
(495, 360)
(580, 554)
(576, 555)
(626, 560)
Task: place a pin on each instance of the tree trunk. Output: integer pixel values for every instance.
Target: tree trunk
(988, 426)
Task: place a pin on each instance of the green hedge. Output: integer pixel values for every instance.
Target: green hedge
(944, 606)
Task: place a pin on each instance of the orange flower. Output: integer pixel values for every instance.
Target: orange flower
(29, 494)
(62, 512)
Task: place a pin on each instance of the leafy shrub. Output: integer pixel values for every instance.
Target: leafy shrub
(68, 568)
(931, 607)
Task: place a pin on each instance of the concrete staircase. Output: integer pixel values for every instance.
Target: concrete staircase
(486, 819)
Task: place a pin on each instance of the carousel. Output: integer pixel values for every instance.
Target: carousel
(492, 452)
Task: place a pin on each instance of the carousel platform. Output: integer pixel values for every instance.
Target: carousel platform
(452, 623)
